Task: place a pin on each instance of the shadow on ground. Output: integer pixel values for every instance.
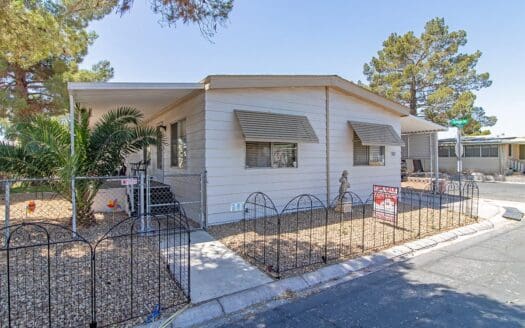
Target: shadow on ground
(391, 298)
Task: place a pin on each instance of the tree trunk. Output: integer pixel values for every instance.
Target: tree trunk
(85, 196)
(413, 97)
(22, 92)
(85, 213)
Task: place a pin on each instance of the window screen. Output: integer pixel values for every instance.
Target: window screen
(258, 154)
(284, 155)
(489, 151)
(160, 154)
(271, 154)
(368, 155)
(444, 151)
(471, 151)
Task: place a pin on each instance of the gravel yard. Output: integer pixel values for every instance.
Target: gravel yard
(130, 281)
(346, 235)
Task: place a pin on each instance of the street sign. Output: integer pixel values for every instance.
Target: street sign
(459, 149)
(458, 122)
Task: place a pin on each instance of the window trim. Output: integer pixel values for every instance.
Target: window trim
(185, 162)
(246, 167)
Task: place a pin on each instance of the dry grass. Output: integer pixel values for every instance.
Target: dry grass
(346, 235)
(418, 185)
(121, 292)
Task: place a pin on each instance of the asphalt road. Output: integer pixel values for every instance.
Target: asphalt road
(478, 282)
(502, 191)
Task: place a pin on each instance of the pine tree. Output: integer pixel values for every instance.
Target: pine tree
(430, 75)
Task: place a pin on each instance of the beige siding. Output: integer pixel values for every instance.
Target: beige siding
(228, 179)
(187, 189)
(230, 182)
(344, 108)
(477, 164)
(193, 111)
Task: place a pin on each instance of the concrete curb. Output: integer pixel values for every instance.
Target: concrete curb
(327, 276)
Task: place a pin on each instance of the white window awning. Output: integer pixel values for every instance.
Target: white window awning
(262, 126)
(372, 134)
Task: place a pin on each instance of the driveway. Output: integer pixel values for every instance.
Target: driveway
(502, 191)
(476, 283)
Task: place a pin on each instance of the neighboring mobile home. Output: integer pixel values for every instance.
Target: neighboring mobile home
(282, 135)
(484, 154)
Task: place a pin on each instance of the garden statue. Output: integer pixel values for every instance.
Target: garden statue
(342, 205)
(343, 180)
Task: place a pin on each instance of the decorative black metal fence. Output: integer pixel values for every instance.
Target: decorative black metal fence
(50, 276)
(306, 232)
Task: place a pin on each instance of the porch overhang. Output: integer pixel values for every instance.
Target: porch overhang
(415, 125)
(149, 98)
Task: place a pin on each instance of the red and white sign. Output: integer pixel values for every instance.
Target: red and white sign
(128, 182)
(385, 202)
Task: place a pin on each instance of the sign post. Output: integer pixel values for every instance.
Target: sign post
(459, 123)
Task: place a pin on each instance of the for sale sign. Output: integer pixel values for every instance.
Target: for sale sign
(385, 202)
(128, 182)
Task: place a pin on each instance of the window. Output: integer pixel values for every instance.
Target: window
(178, 144)
(471, 151)
(284, 155)
(368, 155)
(271, 154)
(489, 151)
(510, 150)
(446, 151)
(160, 153)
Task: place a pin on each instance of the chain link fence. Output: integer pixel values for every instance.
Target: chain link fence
(189, 190)
(110, 250)
(101, 199)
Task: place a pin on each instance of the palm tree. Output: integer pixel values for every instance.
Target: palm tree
(42, 149)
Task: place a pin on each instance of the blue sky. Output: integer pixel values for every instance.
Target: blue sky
(317, 37)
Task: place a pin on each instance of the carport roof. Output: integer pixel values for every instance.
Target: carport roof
(412, 124)
(483, 140)
(149, 98)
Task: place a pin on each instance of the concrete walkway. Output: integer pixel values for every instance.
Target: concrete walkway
(217, 271)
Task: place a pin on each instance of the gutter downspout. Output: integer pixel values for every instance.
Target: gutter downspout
(327, 143)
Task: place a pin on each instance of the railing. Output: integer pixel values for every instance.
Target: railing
(306, 232)
(111, 269)
(516, 165)
(51, 276)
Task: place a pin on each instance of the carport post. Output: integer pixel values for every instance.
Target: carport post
(436, 157)
(7, 217)
(72, 136)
